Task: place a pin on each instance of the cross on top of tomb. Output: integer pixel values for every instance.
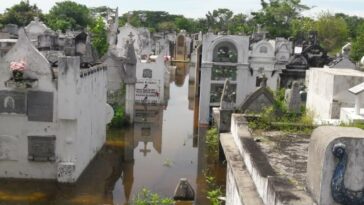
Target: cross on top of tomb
(263, 82)
(145, 151)
(131, 35)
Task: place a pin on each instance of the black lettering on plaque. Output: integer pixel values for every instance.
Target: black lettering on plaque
(40, 106)
(12, 102)
(147, 73)
(41, 148)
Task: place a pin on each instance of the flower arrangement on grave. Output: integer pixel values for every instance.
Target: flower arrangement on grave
(225, 54)
(18, 68)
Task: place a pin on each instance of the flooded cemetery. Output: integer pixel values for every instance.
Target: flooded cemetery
(100, 107)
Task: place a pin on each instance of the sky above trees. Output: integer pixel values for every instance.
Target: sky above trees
(198, 8)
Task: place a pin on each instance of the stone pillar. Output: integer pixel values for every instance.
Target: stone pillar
(130, 101)
(357, 104)
(205, 85)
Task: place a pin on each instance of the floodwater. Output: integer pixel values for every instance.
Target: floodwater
(160, 148)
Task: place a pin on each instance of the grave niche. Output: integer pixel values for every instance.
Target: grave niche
(40, 106)
(217, 90)
(12, 102)
(225, 52)
(41, 148)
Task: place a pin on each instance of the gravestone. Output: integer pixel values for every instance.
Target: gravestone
(41, 148)
(228, 96)
(12, 102)
(222, 115)
(259, 100)
(40, 106)
(335, 168)
(293, 98)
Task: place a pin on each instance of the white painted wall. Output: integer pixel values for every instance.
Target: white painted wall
(327, 91)
(79, 116)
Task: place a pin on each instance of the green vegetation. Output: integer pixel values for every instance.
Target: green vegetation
(213, 189)
(99, 36)
(278, 117)
(280, 18)
(20, 14)
(146, 197)
(354, 124)
(68, 15)
(120, 119)
(212, 143)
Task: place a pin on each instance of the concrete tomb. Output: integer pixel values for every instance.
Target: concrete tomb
(259, 100)
(242, 60)
(335, 170)
(327, 91)
(353, 115)
(51, 123)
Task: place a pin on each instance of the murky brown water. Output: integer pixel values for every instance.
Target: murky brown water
(158, 150)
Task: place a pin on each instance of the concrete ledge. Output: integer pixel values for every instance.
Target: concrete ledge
(272, 189)
(243, 182)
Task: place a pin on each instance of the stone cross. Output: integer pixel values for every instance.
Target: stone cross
(263, 82)
(131, 35)
(145, 151)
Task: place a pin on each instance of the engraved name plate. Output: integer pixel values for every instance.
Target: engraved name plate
(40, 106)
(41, 148)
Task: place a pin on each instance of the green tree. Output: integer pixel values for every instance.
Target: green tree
(332, 31)
(21, 14)
(183, 23)
(276, 16)
(239, 24)
(357, 50)
(99, 37)
(68, 15)
(166, 26)
(353, 23)
(219, 19)
(302, 25)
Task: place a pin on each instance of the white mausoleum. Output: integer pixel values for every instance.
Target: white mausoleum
(52, 120)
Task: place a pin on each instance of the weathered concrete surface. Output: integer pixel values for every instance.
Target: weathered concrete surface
(240, 187)
(328, 91)
(321, 162)
(272, 189)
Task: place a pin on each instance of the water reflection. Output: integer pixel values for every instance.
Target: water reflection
(161, 147)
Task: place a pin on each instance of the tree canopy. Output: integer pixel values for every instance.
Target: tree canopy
(280, 18)
(276, 15)
(68, 15)
(20, 14)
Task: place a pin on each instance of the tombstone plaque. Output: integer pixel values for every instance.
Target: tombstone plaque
(41, 148)
(40, 106)
(147, 73)
(12, 102)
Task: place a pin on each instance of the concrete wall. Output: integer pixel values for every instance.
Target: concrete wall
(322, 163)
(79, 116)
(15, 128)
(328, 91)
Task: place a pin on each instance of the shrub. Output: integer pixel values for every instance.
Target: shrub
(119, 120)
(146, 197)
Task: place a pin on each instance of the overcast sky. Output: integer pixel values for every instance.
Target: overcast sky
(198, 8)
